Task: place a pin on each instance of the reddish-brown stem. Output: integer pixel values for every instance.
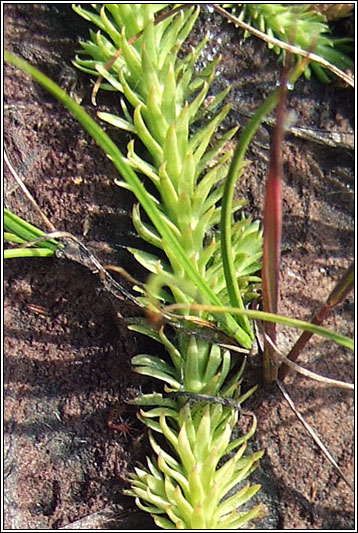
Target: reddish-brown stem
(339, 293)
(272, 236)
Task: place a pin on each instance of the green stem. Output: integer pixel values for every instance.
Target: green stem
(234, 172)
(28, 252)
(266, 317)
(136, 186)
(26, 231)
(228, 197)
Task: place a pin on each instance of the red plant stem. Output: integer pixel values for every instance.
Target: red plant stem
(272, 240)
(272, 236)
(271, 262)
(338, 294)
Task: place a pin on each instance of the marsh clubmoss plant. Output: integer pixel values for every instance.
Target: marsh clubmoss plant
(203, 252)
(306, 26)
(189, 482)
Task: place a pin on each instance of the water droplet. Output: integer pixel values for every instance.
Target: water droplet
(290, 86)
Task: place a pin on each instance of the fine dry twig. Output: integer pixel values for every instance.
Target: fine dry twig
(290, 48)
(308, 373)
(27, 193)
(313, 434)
(341, 290)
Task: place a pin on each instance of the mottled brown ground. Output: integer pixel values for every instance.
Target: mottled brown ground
(67, 362)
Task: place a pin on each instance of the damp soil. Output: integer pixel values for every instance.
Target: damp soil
(67, 350)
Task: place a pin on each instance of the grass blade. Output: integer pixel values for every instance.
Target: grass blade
(263, 316)
(136, 186)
